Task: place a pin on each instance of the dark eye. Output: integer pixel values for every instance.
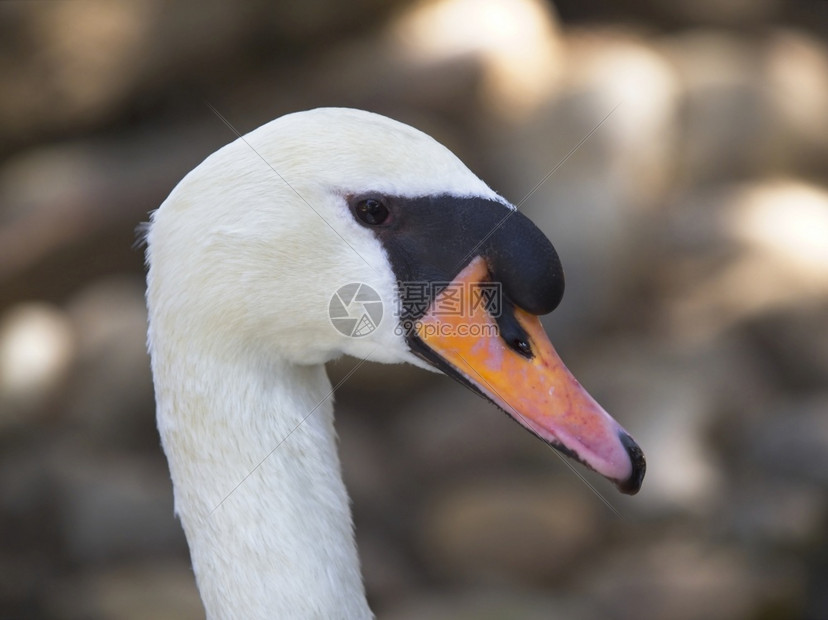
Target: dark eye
(371, 211)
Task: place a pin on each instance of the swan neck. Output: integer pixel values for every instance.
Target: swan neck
(258, 487)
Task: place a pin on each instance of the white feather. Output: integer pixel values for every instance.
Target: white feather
(243, 258)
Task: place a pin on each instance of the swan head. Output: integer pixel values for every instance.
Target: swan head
(279, 243)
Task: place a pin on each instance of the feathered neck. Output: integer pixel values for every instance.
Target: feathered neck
(258, 487)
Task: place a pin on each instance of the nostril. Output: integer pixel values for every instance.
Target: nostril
(511, 330)
(522, 347)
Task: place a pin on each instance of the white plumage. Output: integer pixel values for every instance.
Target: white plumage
(244, 256)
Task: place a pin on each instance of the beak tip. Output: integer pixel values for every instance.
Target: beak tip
(632, 484)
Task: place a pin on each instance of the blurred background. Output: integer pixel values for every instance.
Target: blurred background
(676, 153)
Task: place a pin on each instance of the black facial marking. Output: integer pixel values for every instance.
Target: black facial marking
(432, 238)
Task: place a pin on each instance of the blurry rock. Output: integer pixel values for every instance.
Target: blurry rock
(797, 87)
(68, 212)
(726, 115)
(158, 590)
(681, 579)
(769, 510)
(37, 346)
(794, 343)
(30, 537)
(449, 429)
(788, 218)
(793, 441)
(114, 507)
(361, 384)
(776, 257)
(369, 467)
(491, 604)
(588, 165)
(516, 43)
(111, 395)
(103, 59)
(20, 581)
(63, 61)
(668, 399)
(388, 573)
(638, 89)
(506, 530)
(732, 12)
(456, 69)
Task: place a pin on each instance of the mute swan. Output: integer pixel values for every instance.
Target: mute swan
(244, 257)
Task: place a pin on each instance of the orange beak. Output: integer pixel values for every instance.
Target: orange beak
(530, 382)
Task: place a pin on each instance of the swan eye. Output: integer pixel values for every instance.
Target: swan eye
(371, 211)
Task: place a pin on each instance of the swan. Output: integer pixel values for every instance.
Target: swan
(244, 258)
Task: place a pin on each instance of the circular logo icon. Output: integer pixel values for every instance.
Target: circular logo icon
(355, 310)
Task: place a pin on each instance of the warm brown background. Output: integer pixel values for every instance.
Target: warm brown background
(692, 222)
